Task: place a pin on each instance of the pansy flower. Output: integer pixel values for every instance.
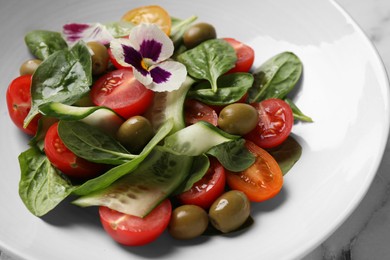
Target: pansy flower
(147, 50)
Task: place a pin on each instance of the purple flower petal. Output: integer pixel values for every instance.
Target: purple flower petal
(160, 75)
(87, 32)
(151, 49)
(134, 58)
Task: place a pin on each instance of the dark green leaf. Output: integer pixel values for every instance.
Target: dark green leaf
(41, 186)
(63, 77)
(233, 155)
(276, 77)
(231, 88)
(209, 60)
(298, 115)
(44, 43)
(112, 175)
(287, 154)
(92, 144)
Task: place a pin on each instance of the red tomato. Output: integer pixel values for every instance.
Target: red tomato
(205, 191)
(245, 56)
(114, 61)
(275, 123)
(122, 92)
(195, 111)
(19, 103)
(135, 231)
(262, 180)
(65, 160)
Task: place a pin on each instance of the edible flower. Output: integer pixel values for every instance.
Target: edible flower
(147, 50)
(87, 32)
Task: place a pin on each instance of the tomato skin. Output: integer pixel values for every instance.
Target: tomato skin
(135, 231)
(205, 191)
(275, 123)
(65, 160)
(245, 56)
(195, 111)
(122, 92)
(261, 181)
(19, 103)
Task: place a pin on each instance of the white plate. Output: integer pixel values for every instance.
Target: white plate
(344, 89)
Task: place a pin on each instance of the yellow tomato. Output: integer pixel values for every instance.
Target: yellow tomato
(150, 14)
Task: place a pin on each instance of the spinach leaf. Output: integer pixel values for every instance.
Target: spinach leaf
(209, 60)
(63, 77)
(287, 154)
(200, 166)
(297, 113)
(231, 88)
(92, 144)
(44, 43)
(233, 155)
(41, 186)
(276, 77)
(117, 172)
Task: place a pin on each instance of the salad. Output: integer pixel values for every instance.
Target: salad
(155, 120)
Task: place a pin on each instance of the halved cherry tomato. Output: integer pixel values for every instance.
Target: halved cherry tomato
(19, 103)
(65, 160)
(135, 231)
(150, 14)
(205, 191)
(122, 92)
(262, 180)
(245, 56)
(195, 111)
(275, 123)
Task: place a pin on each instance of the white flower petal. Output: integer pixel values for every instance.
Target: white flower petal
(150, 32)
(145, 80)
(87, 32)
(178, 74)
(117, 50)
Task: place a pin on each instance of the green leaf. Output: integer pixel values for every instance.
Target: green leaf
(92, 144)
(44, 43)
(297, 113)
(117, 172)
(231, 88)
(276, 77)
(287, 154)
(179, 27)
(233, 155)
(209, 60)
(63, 77)
(119, 29)
(41, 186)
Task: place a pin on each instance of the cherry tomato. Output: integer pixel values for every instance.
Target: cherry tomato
(19, 103)
(245, 56)
(205, 191)
(135, 231)
(65, 160)
(275, 123)
(195, 111)
(122, 92)
(262, 180)
(150, 14)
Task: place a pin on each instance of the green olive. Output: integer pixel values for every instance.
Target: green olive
(187, 222)
(99, 57)
(28, 67)
(135, 133)
(229, 211)
(238, 118)
(198, 33)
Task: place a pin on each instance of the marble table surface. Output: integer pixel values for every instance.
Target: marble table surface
(366, 233)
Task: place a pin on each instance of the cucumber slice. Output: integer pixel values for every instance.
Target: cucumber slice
(141, 191)
(168, 105)
(102, 117)
(197, 139)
